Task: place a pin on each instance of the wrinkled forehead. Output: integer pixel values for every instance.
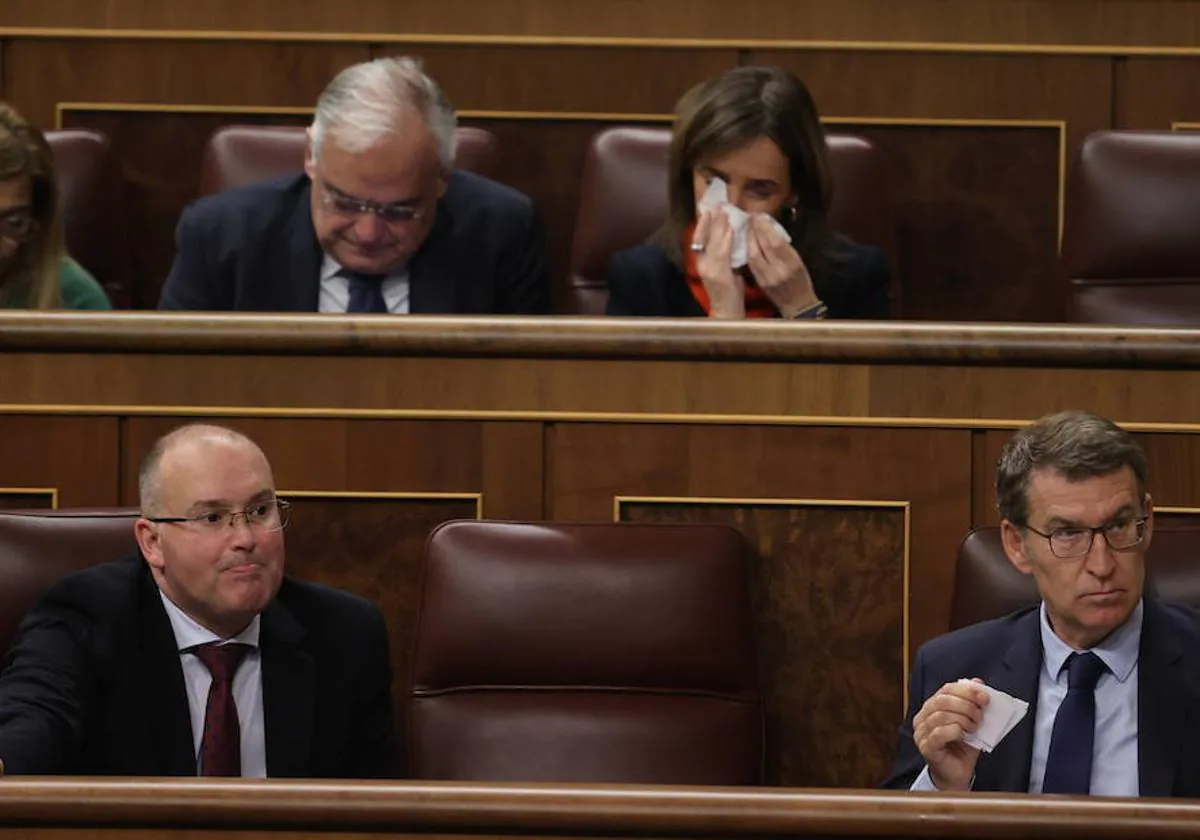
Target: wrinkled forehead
(1091, 500)
(214, 469)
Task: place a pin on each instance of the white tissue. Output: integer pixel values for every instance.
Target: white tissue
(717, 195)
(1002, 713)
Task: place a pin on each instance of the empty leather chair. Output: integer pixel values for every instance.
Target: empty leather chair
(623, 200)
(236, 155)
(585, 653)
(37, 548)
(1131, 235)
(987, 585)
(91, 202)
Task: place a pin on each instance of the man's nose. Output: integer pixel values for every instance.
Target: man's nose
(368, 227)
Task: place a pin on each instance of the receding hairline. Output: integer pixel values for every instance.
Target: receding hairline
(193, 434)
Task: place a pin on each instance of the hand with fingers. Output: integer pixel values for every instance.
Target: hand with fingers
(779, 270)
(713, 244)
(938, 728)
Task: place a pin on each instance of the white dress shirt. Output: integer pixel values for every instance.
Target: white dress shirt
(247, 686)
(335, 289)
(1115, 748)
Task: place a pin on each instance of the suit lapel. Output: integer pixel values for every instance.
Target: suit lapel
(289, 686)
(300, 263)
(431, 275)
(1007, 767)
(1163, 698)
(161, 677)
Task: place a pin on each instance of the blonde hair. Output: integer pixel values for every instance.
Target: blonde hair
(34, 273)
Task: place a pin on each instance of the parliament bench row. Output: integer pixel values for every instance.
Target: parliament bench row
(572, 652)
(1131, 238)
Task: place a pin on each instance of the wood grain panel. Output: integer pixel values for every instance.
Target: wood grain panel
(566, 79)
(43, 73)
(590, 465)
(828, 586)
(76, 455)
(1155, 92)
(368, 456)
(976, 215)
(1154, 22)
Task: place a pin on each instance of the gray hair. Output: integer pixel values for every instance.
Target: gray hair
(366, 102)
(150, 472)
(1076, 444)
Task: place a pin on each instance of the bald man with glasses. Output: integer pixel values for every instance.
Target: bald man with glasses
(198, 656)
(1112, 677)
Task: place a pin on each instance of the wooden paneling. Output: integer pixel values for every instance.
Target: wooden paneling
(44, 73)
(1103, 22)
(591, 465)
(1155, 92)
(77, 456)
(566, 79)
(828, 589)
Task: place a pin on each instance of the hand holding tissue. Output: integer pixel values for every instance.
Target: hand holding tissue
(717, 197)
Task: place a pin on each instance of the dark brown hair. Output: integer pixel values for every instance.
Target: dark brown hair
(33, 275)
(733, 109)
(1076, 444)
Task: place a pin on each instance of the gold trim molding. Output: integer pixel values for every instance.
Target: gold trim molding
(52, 492)
(368, 495)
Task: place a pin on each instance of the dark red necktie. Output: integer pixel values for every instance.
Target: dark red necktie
(221, 744)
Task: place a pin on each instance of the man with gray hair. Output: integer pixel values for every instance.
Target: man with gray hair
(378, 221)
(1111, 678)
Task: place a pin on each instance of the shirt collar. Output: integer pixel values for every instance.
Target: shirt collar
(331, 268)
(1118, 651)
(189, 633)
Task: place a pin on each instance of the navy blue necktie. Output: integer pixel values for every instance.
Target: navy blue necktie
(366, 292)
(1069, 764)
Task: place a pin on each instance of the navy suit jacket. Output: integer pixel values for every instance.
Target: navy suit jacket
(1007, 653)
(643, 281)
(254, 248)
(94, 685)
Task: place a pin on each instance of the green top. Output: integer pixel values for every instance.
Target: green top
(79, 290)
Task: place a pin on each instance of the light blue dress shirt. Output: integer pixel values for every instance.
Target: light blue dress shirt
(1115, 750)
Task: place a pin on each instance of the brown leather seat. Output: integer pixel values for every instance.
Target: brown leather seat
(37, 548)
(585, 653)
(1131, 236)
(987, 585)
(623, 200)
(90, 195)
(236, 155)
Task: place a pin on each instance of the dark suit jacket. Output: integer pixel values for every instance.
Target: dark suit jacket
(94, 686)
(254, 249)
(643, 281)
(1007, 653)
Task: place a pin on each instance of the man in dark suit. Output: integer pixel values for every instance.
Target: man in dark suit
(1112, 678)
(378, 221)
(198, 657)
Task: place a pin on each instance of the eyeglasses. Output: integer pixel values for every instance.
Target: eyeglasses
(396, 213)
(1121, 535)
(17, 224)
(263, 516)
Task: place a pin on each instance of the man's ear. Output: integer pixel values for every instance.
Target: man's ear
(1148, 506)
(148, 540)
(1013, 540)
(310, 160)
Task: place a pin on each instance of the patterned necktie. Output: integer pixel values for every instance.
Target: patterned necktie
(221, 744)
(366, 292)
(1069, 764)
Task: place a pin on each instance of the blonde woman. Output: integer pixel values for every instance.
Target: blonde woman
(35, 270)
